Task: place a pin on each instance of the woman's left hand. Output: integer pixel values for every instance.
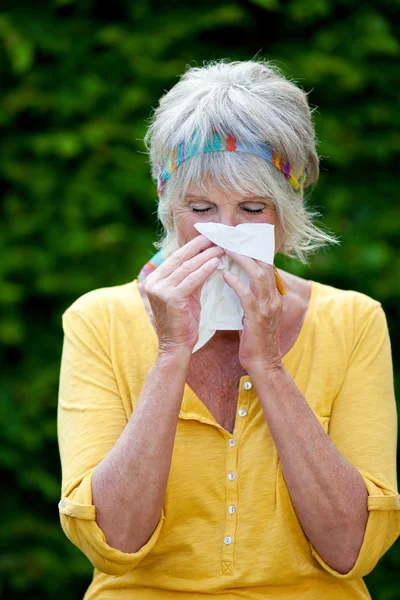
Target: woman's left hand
(262, 305)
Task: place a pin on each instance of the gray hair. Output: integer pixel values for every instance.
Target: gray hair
(253, 101)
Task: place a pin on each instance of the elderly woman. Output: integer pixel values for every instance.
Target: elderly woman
(263, 464)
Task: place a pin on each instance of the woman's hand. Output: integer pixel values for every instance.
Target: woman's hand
(262, 306)
(174, 290)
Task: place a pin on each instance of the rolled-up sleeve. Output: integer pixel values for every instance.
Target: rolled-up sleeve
(91, 417)
(363, 426)
(77, 515)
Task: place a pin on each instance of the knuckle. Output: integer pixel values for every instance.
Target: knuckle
(261, 274)
(179, 254)
(248, 294)
(148, 285)
(187, 266)
(152, 280)
(191, 278)
(155, 289)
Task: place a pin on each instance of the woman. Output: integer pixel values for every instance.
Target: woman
(263, 464)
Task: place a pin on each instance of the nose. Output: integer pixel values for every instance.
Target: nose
(228, 217)
(229, 222)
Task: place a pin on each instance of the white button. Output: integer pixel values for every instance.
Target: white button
(227, 540)
(242, 412)
(232, 509)
(398, 500)
(62, 503)
(232, 442)
(247, 385)
(232, 475)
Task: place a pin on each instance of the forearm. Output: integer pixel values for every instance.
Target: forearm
(129, 484)
(328, 494)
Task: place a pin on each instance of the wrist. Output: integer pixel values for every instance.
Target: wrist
(265, 369)
(174, 356)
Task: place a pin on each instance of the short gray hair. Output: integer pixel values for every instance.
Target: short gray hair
(253, 101)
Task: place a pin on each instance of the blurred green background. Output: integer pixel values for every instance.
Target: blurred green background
(78, 81)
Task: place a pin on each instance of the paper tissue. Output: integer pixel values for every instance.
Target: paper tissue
(221, 308)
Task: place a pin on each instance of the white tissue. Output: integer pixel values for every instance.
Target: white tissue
(220, 306)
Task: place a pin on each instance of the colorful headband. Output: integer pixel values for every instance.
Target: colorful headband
(223, 142)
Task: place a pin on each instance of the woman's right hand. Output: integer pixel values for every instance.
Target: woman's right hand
(174, 290)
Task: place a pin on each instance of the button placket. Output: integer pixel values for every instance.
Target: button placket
(246, 393)
(232, 477)
(231, 482)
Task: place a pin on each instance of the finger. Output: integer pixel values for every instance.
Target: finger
(278, 279)
(193, 264)
(170, 264)
(244, 293)
(262, 278)
(252, 267)
(195, 279)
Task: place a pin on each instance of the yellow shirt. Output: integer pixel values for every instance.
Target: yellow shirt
(228, 526)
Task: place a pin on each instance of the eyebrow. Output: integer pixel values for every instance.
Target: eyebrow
(242, 199)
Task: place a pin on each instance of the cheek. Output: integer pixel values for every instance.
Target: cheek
(184, 226)
(270, 217)
(278, 238)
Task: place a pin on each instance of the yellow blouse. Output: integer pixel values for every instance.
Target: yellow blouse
(228, 526)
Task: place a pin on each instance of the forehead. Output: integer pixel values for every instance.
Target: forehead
(212, 192)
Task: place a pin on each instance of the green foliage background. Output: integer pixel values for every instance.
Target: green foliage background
(78, 80)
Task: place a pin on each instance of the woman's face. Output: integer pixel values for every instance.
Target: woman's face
(220, 207)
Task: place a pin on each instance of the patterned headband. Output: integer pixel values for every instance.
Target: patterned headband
(223, 142)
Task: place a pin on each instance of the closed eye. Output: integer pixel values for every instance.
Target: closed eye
(256, 211)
